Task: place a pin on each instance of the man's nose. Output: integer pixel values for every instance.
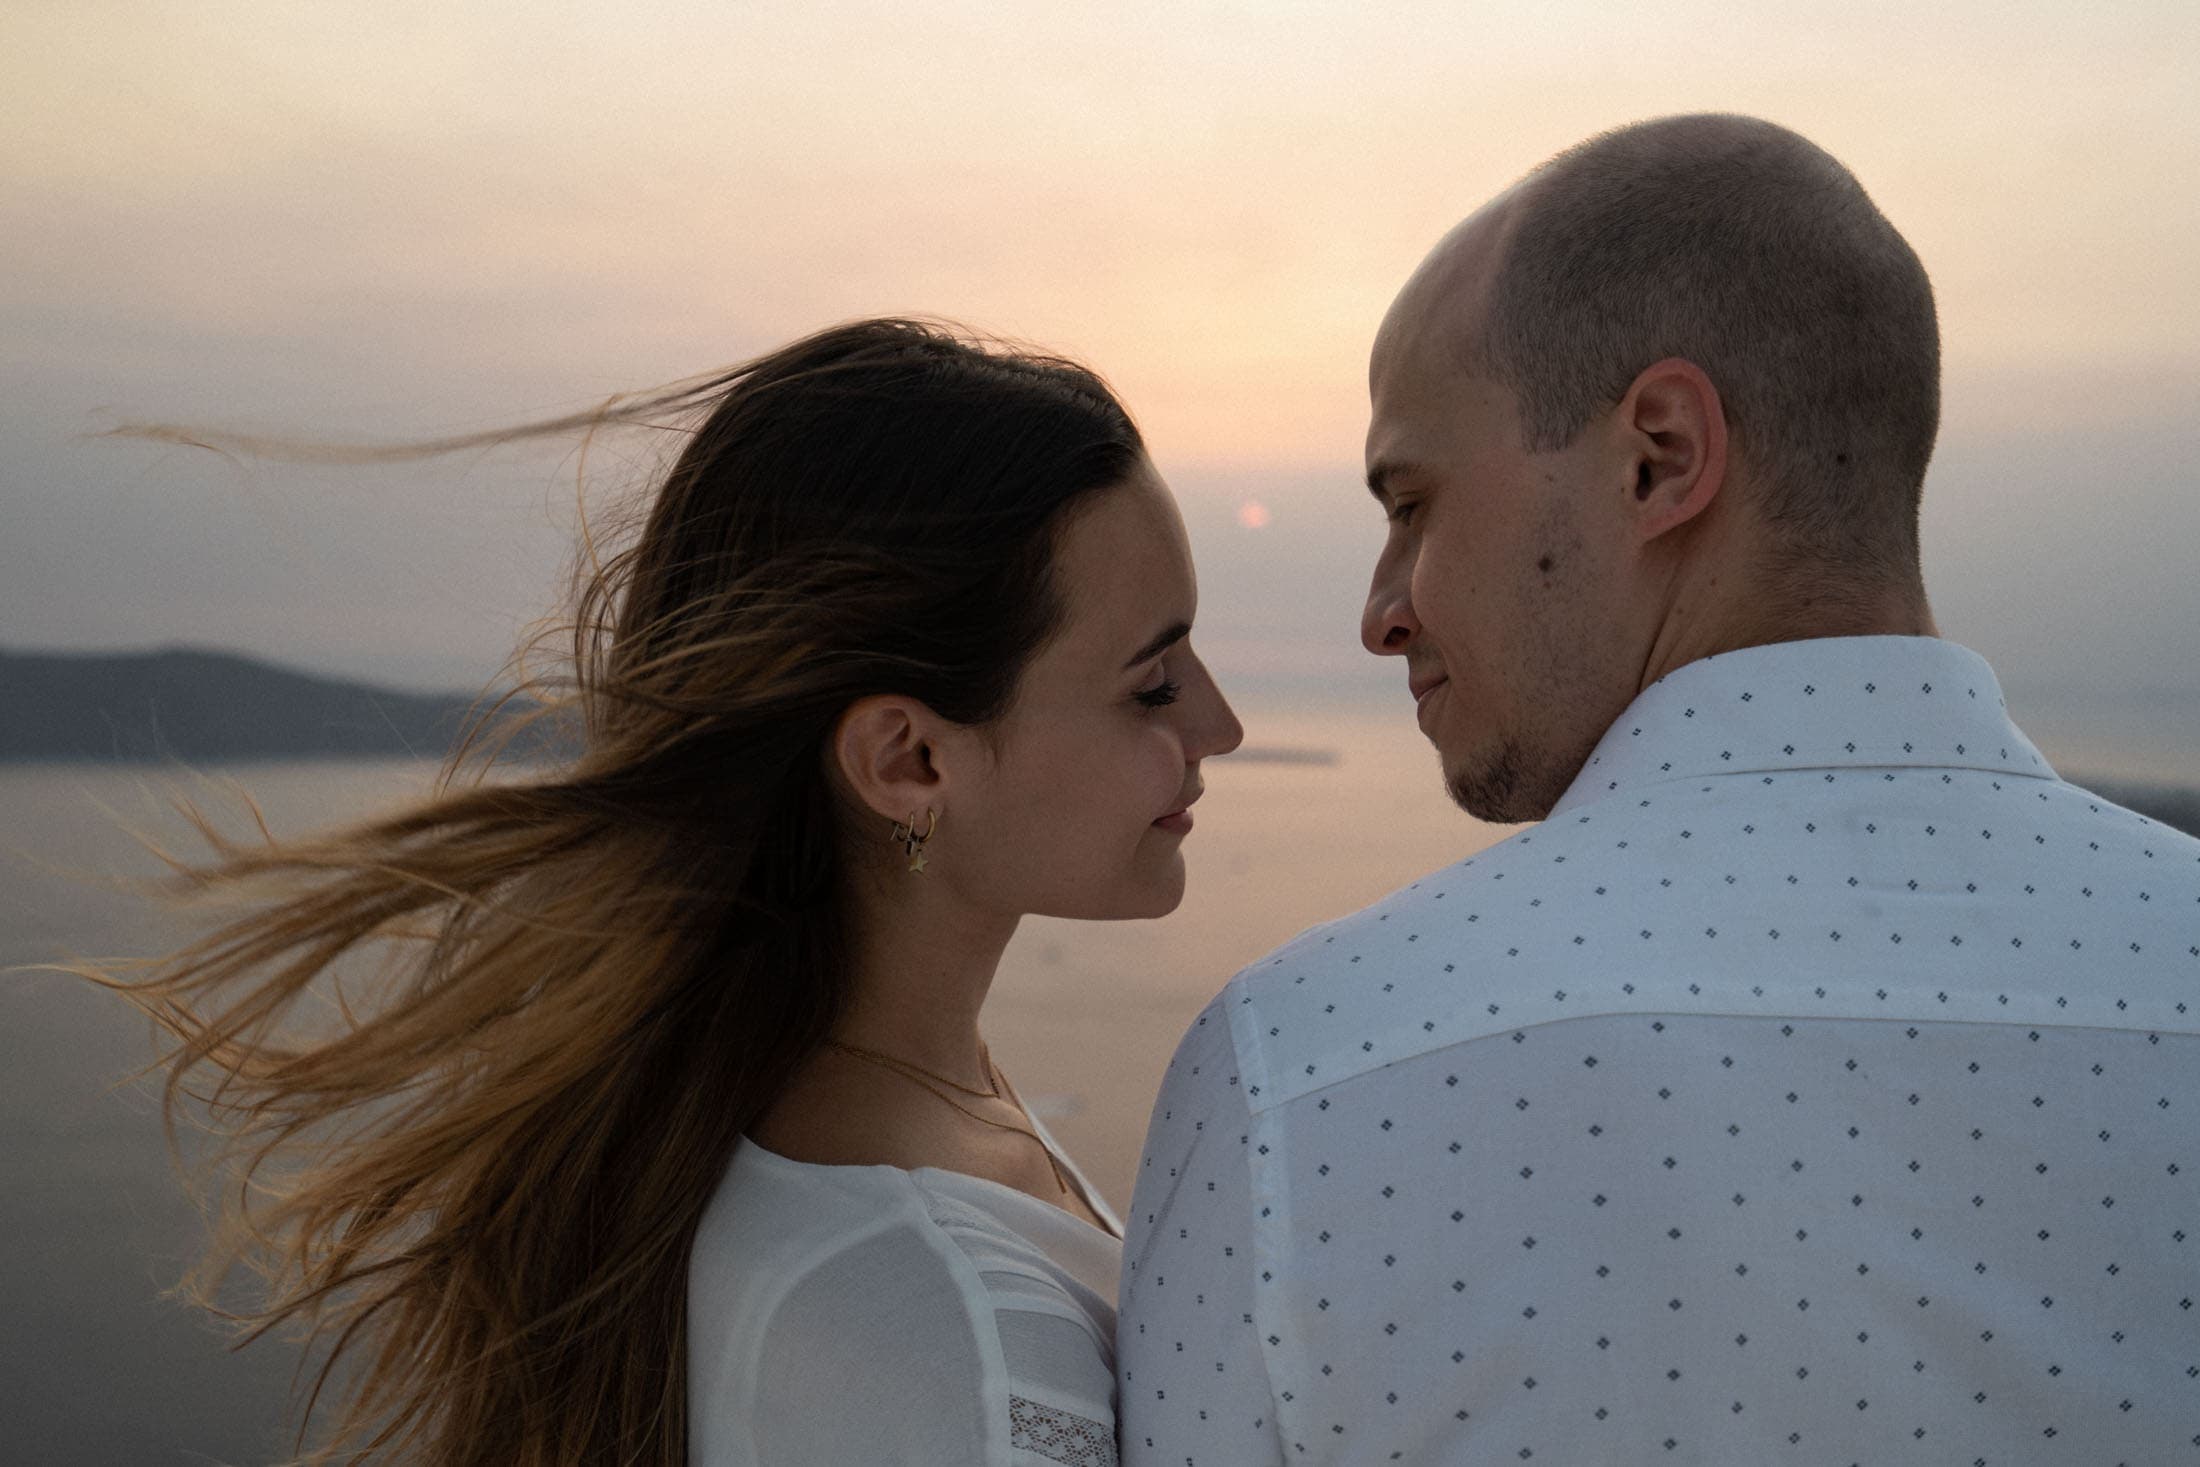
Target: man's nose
(1387, 623)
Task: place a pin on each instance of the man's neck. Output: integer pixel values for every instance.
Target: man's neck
(1789, 606)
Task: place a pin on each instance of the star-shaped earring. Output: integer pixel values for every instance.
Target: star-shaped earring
(912, 841)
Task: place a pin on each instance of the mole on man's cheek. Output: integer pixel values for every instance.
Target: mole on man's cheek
(1545, 564)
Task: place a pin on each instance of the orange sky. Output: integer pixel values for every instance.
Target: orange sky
(1213, 202)
(396, 217)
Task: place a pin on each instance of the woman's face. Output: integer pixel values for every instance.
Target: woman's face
(1084, 804)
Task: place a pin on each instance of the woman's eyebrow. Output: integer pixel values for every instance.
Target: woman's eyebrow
(1159, 645)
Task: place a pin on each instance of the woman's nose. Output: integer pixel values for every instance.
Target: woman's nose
(1220, 731)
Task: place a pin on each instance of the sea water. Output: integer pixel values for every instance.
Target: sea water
(97, 1368)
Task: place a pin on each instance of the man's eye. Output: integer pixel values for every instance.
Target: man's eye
(1402, 513)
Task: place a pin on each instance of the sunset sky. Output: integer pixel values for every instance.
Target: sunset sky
(394, 219)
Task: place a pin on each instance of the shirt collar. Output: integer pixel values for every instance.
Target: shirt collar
(1830, 703)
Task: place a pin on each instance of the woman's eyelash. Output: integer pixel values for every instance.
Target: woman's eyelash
(1160, 697)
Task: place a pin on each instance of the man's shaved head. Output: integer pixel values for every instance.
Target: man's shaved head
(1670, 394)
(1755, 254)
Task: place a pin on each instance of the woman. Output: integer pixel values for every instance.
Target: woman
(672, 1136)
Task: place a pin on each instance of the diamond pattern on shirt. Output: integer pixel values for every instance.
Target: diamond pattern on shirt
(1824, 1106)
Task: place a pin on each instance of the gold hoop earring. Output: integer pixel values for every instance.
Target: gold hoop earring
(911, 842)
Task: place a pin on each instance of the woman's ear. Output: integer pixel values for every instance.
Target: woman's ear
(1678, 439)
(883, 748)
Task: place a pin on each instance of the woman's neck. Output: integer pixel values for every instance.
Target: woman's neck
(919, 974)
(920, 977)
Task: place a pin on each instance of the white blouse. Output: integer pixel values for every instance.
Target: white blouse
(882, 1315)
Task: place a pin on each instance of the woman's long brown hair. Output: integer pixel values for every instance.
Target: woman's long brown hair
(476, 1186)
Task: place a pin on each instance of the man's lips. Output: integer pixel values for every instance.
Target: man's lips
(1421, 687)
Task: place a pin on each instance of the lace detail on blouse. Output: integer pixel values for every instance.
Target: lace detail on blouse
(1060, 1436)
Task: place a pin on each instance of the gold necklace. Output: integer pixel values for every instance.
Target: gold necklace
(913, 1070)
(923, 1077)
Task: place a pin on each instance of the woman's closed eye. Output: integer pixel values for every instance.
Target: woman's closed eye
(1161, 696)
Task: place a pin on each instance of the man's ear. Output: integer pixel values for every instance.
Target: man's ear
(883, 747)
(1677, 438)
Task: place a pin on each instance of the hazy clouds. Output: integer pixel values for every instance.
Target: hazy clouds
(397, 219)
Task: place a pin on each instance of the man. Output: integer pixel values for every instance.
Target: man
(1817, 1083)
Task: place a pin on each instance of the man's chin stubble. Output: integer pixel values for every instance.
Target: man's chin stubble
(1488, 789)
(1505, 788)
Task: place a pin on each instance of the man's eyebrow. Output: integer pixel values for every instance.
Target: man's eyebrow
(1160, 644)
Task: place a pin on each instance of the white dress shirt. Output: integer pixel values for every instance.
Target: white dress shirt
(1817, 1084)
(906, 1318)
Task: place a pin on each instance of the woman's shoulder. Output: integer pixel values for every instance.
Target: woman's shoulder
(819, 1260)
(826, 1310)
(772, 1219)
(775, 1219)
(854, 1300)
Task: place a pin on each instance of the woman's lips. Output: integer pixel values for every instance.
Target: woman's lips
(1179, 820)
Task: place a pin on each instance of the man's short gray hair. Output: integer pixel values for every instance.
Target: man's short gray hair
(1755, 254)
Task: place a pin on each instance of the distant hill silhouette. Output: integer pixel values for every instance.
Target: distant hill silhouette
(205, 707)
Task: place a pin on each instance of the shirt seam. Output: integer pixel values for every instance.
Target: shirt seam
(1268, 1204)
(2189, 1030)
(1626, 786)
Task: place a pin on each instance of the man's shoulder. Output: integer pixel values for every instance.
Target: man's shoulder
(1319, 1007)
(1749, 894)
(1458, 907)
